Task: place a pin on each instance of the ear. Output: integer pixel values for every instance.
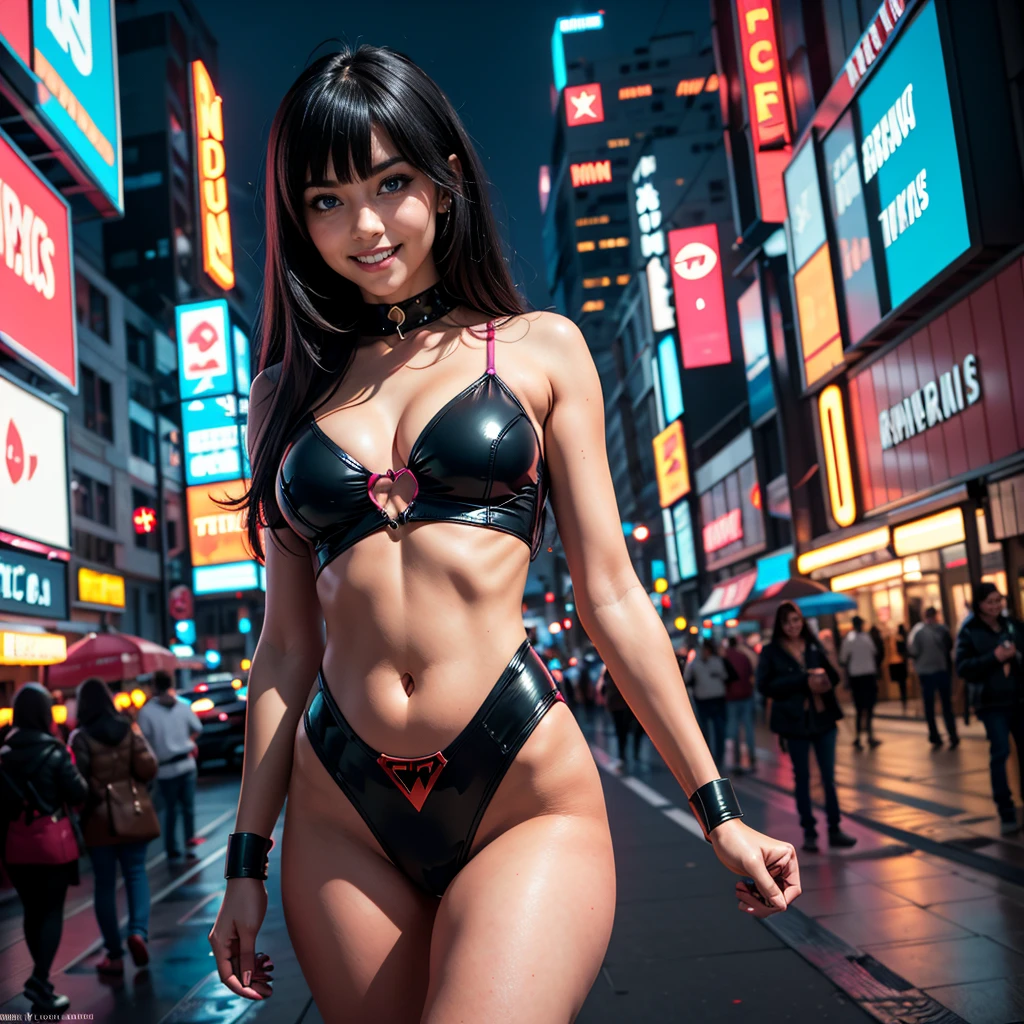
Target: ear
(444, 204)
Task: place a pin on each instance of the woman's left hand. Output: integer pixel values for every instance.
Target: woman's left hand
(772, 865)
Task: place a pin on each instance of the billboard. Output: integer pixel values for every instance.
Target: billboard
(213, 440)
(214, 218)
(909, 160)
(206, 363)
(818, 316)
(583, 104)
(75, 55)
(216, 534)
(756, 362)
(33, 585)
(803, 201)
(699, 296)
(243, 367)
(219, 579)
(670, 464)
(38, 319)
(16, 28)
(686, 553)
(103, 588)
(34, 472)
(670, 379)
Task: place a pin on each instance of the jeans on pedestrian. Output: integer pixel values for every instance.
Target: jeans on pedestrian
(180, 789)
(740, 713)
(626, 725)
(43, 889)
(824, 747)
(711, 717)
(942, 684)
(1000, 725)
(132, 858)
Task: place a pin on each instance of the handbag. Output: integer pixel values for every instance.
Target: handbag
(131, 816)
(39, 836)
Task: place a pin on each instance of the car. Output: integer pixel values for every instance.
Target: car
(221, 709)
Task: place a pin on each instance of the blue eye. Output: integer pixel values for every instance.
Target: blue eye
(396, 183)
(324, 202)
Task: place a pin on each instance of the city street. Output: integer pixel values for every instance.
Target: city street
(922, 921)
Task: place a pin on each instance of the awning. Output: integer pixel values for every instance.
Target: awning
(112, 657)
(812, 599)
(728, 595)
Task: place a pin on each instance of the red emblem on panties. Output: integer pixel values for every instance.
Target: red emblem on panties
(414, 776)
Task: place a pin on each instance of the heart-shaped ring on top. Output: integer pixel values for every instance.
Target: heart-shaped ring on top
(392, 475)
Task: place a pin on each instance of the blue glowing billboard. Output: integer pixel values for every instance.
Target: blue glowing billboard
(803, 202)
(75, 56)
(206, 361)
(686, 552)
(756, 363)
(671, 382)
(243, 370)
(213, 440)
(909, 161)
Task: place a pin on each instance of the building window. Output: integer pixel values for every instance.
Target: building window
(92, 306)
(141, 391)
(90, 498)
(93, 548)
(97, 405)
(140, 347)
(148, 541)
(143, 442)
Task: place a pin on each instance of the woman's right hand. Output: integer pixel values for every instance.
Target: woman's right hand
(818, 680)
(233, 939)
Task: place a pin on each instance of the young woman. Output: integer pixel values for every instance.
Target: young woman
(38, 779)
(796, 673)
(117, 762)
(446, 827)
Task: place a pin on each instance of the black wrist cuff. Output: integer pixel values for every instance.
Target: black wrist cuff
(714, 803)
(248, 856)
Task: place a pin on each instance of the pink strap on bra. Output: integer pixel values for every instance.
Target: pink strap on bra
(490, 346)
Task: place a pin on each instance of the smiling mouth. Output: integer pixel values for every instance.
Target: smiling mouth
(377, 257)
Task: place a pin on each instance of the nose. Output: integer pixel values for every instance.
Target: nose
(368, 224)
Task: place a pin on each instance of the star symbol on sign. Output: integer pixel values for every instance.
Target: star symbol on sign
(584, 104)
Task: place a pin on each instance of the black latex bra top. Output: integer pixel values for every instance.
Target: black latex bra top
(477, 461)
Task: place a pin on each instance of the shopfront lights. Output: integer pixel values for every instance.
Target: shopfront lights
(938, 531)
(865, 577)
(843, 550)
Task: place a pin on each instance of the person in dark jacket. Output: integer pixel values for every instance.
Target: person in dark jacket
(626, 723)
(33, 760)
(795, 672)
(989, 659)
(108, 746)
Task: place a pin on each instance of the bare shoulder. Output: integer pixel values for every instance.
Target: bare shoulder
(559, 349)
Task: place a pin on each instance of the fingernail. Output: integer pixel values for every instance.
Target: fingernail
(246, 978)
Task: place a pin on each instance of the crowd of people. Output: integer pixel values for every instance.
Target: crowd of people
(794, 682)
(88, 794)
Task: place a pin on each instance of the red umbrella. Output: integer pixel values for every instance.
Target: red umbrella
(113, 657)
(764, 604)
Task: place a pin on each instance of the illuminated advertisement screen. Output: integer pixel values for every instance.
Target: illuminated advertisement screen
(686, 552)
(213, 440)
(818, 316)
(33, 585)
(756, 362)
(206, 364)
(217, 534)
(243, 369)
(850, 217)
(220, 579)
(15, 28)
(218, 255)
(37, 307)
(75, 55)
(803, 200)
(909, 161)
(670, 464)
(671, 382)
(700, 296)
(33, 473)
(583, 104)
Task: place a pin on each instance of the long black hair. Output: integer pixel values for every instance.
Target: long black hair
(309, 312)
(94, 702)
(782, 613)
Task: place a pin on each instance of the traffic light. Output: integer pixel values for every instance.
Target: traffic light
(244, 622)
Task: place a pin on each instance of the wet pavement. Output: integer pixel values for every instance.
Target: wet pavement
(922, 921)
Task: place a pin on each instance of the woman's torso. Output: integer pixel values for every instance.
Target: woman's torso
(992, 686)
(30, 755)
(797, 714)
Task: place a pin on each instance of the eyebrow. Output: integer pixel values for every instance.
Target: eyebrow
(376, 169)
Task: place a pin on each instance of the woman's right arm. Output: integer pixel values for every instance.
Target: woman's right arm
(283, 669)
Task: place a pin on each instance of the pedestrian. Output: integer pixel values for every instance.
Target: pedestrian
(858, 654)
(931, 646)
(171, 726)
(898, 666)
(39, 786)
(739, 702)
(795, 672)
(707, 675)
(989, 659)
(119, 819)
(626, 724)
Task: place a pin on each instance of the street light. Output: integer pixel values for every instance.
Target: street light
(555, 627)
(641, 532)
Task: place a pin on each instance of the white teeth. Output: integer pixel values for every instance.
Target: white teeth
(376, 257)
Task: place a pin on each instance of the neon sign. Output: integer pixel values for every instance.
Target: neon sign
(635, 92)
(837, 456)
(218, 259)
(592, 172)
(144, 519)
(583, 105)
(724, 530)
(699, 296)
(652, 243)
(670, 464)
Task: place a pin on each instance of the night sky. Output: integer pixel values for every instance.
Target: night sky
(493, 61)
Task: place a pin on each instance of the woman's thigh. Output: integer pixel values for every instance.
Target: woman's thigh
(521, 933)
(360, 929)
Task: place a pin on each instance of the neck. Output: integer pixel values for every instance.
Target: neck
(990, 620)
(424, 278)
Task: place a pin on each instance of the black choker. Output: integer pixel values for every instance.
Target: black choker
(379, 321)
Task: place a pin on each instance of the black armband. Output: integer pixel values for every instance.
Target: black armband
(248, 856)
(714, 803)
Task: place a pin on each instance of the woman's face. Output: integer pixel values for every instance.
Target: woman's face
(792, 625)
(377, 233)
(992, 606)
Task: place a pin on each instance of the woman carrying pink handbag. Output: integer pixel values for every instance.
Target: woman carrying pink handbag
(38, 784)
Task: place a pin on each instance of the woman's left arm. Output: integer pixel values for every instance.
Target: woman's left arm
(617, 614)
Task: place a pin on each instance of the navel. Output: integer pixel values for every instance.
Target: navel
(408, 684)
